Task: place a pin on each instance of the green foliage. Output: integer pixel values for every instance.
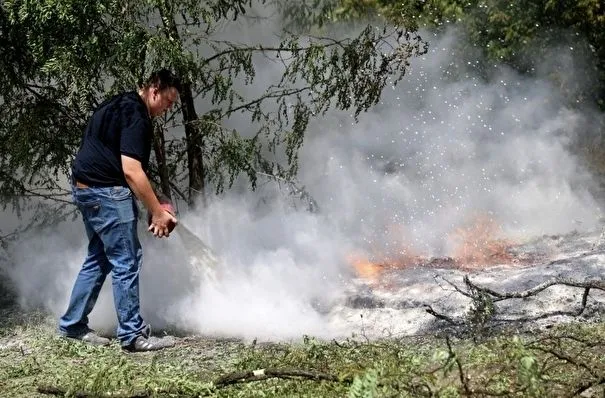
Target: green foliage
(305, 15)
(558, 362)
(364, 386)
(529, 374)
(520, 33)
(66, 56)
(482, 310)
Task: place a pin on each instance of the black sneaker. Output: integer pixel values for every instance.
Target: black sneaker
(143, 343)
(90, 337)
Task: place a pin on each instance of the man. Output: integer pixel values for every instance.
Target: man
(109, 168)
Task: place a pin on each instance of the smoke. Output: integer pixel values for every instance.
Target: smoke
(443, 147)
(447, 146)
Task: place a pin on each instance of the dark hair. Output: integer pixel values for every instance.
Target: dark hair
(162, 79)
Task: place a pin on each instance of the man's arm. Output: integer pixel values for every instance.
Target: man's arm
(140, 185)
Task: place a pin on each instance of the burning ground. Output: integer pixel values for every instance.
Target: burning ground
(523, 286)
(491, 283)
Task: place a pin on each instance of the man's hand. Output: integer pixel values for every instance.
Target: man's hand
(162, 223)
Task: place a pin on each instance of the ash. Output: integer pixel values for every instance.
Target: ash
(396, 305)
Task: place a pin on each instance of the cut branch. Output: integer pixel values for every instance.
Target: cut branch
(588, 385)
(456, 288)
(263, 374)
(61, 392)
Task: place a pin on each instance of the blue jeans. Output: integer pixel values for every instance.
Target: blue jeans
(110, 218)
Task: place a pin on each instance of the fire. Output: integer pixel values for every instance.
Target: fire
(477, 244)
(367, 269)
(372, 271)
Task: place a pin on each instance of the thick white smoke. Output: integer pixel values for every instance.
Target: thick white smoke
(443, 149)
(438, 152)
(443, 146)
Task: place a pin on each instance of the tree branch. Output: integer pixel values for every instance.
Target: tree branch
(263, 374)
(261, 48)
(277, 94)
(437, 315)
(58, 391)
(589, 284)
(479, 294)
(452, 355)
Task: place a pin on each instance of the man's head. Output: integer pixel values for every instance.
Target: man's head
(160, 91)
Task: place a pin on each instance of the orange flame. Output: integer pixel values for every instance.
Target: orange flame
(479, 244)
(475, 245)
(372, 271)
(366, 269)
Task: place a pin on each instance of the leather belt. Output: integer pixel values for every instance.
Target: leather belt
(81, 185)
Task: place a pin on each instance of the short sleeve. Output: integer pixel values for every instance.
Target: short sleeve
(135, 137)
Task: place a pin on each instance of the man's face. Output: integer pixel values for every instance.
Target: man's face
(161, 101)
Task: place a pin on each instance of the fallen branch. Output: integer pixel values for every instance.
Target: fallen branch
(263, 374)
(578, 312)
(565, 336)
(61, 392)
(586, 359)
(289, 373)
(590, 284)
(570, 359)
(437, 315)
(456, 288)
(541, 316)
(588, 385)
(482, 296)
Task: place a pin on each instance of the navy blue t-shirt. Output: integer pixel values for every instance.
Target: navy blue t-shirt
(119, 126)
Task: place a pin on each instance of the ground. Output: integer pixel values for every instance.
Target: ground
(463, 355)
(565, 360)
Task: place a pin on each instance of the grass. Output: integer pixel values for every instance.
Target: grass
(563, 361)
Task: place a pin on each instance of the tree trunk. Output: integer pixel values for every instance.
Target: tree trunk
(194, 140)
(195, 145)
(159, 148)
